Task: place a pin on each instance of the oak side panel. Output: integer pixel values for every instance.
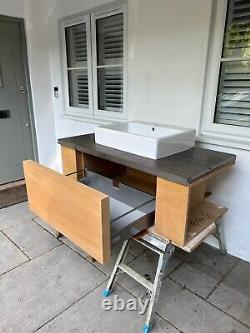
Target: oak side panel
(75, 210)
(72, 162)
(171, 214)
(197, 193)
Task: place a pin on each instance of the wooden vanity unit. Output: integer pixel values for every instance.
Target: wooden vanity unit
(175, 186)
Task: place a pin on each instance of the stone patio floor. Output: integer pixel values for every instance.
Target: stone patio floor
(49, 285)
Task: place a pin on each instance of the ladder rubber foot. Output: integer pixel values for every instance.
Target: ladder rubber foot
(147, 328)
(106, 293)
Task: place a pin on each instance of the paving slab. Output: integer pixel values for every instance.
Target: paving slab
(10, 255)
(34, 293)
(74, 247)
(136, 249)
(233, 294)
(191, 314)
(88, 316)
(107, 269)
(32, 239)
(203, 270)
(46, 226)
(146, 264)
(15, 215)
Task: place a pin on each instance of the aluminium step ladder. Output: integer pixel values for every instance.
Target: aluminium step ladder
(165, 249)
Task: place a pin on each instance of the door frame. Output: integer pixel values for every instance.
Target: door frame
(21, 24)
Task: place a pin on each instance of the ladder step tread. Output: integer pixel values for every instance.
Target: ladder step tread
(139, 278)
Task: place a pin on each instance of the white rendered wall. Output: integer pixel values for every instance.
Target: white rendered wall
(167, 47)
(12, 8)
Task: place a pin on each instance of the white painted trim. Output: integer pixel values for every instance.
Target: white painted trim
(91, 120)
(235, 135)
(224, 141)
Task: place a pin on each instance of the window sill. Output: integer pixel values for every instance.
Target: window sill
(90, 120)
(225, 141)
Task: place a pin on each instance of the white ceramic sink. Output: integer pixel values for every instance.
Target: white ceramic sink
(145, 139)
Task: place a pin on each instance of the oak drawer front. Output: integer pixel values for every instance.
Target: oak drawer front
(77, 211)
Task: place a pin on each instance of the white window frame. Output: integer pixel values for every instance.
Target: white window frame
(89, 18)
(94, 17)
(73, 110)
(211, 132)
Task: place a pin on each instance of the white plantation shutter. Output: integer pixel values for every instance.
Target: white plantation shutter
(113, 87)
(78, 88)
(82, 85)
(109, 57)
(77, 65)
(233, 99)
(76, 44)
(109, 31)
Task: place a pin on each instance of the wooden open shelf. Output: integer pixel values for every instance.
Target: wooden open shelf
(201, 224)
(182, 212)
(201, 217)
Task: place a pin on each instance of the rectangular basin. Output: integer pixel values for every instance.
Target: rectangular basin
(145, 139)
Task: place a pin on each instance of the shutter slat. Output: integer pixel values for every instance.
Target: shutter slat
(233, 122)
(236, 97)
(234, 111)
(236, 90)
(234, 104)
(235, 117)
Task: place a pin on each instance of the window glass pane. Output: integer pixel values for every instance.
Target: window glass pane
(237, 33)
(109, 37)
(78, 88)
(110, 89)
(233, 100)
(76, 45)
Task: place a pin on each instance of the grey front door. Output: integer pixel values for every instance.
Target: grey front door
(15, 126)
